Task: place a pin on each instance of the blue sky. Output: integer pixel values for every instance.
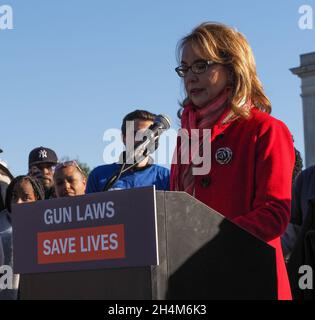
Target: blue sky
(71, 69)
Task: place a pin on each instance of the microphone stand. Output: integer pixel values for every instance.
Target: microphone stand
(115, 177)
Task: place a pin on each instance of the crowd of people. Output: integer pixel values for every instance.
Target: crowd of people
(252, 158)
(47, 178)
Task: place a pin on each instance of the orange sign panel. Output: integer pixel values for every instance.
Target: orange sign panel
(86, 244)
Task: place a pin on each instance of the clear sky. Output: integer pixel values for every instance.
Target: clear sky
(71, 69)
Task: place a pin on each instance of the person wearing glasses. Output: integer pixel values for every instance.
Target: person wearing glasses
(41, 163)
(69, 179)
(252, 154)
(144, 174)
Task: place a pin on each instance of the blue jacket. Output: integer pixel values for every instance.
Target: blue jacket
(142, 177)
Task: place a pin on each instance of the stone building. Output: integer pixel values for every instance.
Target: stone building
(306, 71)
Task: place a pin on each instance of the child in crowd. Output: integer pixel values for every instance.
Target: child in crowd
(22, 189)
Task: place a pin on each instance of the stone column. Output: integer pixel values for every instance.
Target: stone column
(306, 71)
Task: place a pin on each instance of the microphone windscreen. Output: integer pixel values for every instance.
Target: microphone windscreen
(164, 120)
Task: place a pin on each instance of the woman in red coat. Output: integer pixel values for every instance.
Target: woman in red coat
(252, 154)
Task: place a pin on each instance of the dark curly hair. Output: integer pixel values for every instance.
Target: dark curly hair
(298, 165)
(36, 184)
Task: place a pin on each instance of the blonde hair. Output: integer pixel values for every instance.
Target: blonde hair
(224, 45)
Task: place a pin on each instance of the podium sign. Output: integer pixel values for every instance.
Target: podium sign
(96, 231)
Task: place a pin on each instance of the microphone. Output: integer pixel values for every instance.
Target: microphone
(141, 149)
(150, 140)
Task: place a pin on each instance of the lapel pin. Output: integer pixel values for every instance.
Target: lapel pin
(223, 155)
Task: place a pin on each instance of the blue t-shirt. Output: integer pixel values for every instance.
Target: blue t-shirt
(142, 177)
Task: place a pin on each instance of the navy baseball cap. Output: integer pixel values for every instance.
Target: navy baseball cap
(42, 155)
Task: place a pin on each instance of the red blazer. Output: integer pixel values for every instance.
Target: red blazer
(254, 188)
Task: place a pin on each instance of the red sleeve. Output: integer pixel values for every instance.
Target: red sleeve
(273, 182)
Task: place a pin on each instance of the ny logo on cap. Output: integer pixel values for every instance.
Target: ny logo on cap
(42, 154)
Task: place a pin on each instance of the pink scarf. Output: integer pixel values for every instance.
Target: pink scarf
(182, 178)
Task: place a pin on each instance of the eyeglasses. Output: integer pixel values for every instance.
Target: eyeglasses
(68, 164)
(196, 68)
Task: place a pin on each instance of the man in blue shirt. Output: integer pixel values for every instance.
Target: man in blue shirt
(145, 174)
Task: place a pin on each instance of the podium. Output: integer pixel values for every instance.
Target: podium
(201, 255)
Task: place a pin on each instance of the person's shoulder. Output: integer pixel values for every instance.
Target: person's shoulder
(305, 182)
(160, 169)
(264, 121)
(162, 176)
(262, 117)
(100, 170)
(308, 173)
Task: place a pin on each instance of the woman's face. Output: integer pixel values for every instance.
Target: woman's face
(23, 192)
(69, 182)
(203, 88)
